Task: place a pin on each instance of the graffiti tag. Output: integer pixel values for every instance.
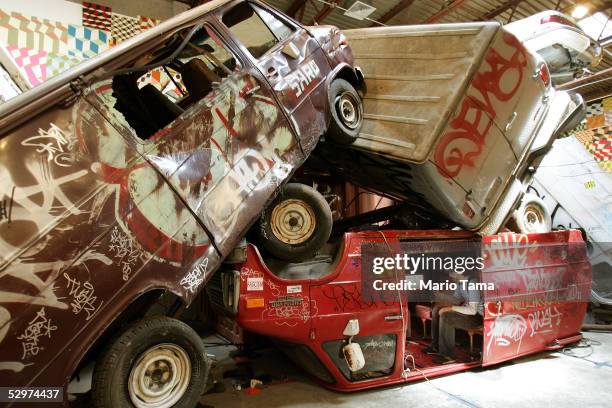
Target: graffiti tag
(464, 143)
(195, 277)
(38, 327)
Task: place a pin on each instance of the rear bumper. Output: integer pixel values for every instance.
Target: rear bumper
(565, 112)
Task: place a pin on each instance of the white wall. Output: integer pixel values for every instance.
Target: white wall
(56, 10)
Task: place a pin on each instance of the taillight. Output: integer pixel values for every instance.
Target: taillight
(544, 75)
(555, 18)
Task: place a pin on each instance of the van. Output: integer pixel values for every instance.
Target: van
(135, 174)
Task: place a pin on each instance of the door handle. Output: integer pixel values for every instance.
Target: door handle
(393, 317)
(272, 72)
(511, 121)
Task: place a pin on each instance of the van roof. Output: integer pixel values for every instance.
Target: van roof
(46, 88)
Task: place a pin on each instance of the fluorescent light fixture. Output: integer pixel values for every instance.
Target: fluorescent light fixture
(580, 11)
(359, 10)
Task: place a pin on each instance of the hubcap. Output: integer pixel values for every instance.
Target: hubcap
(348, 110)
(534, 219)
(160, 377)
(293, 221)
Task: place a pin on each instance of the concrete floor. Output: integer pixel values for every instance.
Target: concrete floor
(541, 380)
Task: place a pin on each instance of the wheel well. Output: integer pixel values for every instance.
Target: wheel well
(152, 302)
(351, 77)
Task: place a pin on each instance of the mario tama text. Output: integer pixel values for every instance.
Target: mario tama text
(423, 268)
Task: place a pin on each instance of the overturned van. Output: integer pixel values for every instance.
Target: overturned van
(135, 174)
(455, 123)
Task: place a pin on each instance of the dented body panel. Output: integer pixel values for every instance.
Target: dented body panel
(95, 217)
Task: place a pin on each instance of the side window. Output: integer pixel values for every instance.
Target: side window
(280, 29)
(255, 28)
(149, 100)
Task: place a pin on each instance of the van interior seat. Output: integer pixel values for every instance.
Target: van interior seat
(160, 108)
(198, 78)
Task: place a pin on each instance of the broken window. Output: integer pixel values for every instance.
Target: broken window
(151, 99)
(257, 29)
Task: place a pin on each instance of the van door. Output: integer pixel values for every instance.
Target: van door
(541, 291)
(341, 299)
(291, 60)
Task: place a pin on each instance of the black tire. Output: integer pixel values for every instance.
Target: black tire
(342, 130)
(532, 216)
(120, 360)
(297, 241)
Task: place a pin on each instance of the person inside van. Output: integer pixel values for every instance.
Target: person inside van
(465, 311)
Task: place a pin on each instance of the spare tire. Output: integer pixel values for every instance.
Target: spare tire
(346, 110)
(532, 215)
(296, 224)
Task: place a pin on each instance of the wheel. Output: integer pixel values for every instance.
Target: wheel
(157, 362)
(347, 112)
(296, 224)
(532, 215)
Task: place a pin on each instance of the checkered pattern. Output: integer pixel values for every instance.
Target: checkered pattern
(96, 16)
(594, 109)
(159, 79)
(601, 146)
(595, 121)
(585, 137)
(84, 42)
(146, 22)
(56, 64)
(607, 104)
(123, 27)
(32, 33)
(31, 62)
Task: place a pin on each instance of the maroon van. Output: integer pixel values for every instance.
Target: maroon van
(135, 174)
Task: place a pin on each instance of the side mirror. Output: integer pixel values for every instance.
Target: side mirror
(291, 50)
(353, 356)
(352, 328)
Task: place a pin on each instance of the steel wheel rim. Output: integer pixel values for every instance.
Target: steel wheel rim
(533, 218)
(348, 110)
(160, 377)
(293, 221)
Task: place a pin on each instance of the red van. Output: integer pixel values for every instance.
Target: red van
(537, 296)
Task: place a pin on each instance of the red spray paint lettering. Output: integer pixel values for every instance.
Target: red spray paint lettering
(476, 115)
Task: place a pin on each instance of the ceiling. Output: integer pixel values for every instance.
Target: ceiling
(396, 12)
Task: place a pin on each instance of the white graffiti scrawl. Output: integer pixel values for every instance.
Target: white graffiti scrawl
(506, 330)
(38, 327)
(83, 297)
(54, 143)
(543, 321)
(124, 251)
(195, 277)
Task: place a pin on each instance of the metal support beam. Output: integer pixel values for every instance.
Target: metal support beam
(399, 7)
(585, 81)
(444, 11)
(497, 11)
(325, 11)
(295, 7)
